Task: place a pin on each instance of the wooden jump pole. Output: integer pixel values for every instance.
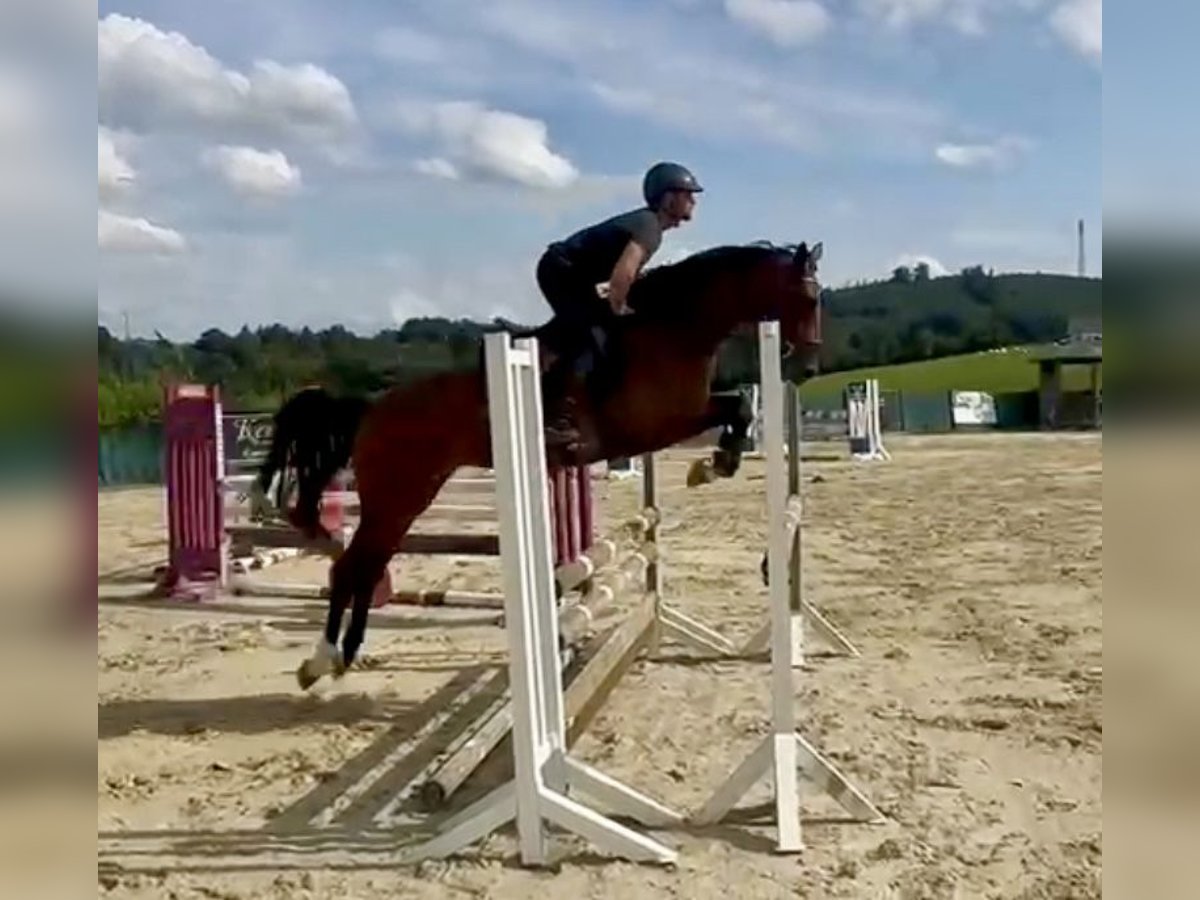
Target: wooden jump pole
(603, 579)
(669, 621)
(586, 691)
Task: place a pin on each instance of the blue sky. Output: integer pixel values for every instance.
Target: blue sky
(1151, 180)
(362, 162)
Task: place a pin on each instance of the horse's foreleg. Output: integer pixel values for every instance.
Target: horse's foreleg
(734, 415)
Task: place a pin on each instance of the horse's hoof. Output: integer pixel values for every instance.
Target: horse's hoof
(725, 463)
(700, 472)
(306, 676)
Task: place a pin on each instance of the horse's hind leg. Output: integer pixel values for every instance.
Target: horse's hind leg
(372, 555)
(387, 513)
(326, 659)
(353, 577)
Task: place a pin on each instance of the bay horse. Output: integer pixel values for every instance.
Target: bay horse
(406, 444)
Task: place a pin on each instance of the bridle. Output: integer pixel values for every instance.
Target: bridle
(810, 281)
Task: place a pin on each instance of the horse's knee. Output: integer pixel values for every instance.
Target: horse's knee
(732, 440)
(745, 416)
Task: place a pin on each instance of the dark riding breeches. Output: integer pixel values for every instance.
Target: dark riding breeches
(578, 311)
(578, 308)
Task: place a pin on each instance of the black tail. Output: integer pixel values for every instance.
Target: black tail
(314, 437)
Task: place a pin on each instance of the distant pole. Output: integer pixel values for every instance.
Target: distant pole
(1082, 267)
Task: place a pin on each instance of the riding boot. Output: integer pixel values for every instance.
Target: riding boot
(557, 408)
(602, 379)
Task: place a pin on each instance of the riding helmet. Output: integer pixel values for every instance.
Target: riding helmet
(667, 176)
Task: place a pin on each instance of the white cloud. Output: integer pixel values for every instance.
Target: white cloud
(489, 143)
(407, 304)
(1080, 24)
(252, 172)
(463, 158)
(903, 13)
(151, 77)
(436, 167)
(971, 17)
(997, 155)
(699, 88)
(740, 104)
(276, 278)
(114, 172)
(127, 234)
(788, 23)
(912, 260)
(561, 32)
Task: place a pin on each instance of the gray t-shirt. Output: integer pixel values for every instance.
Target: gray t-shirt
(596, 249)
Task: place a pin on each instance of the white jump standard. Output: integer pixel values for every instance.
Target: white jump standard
(864, 425)
(784, 542)
(784, 754)
(543, 771)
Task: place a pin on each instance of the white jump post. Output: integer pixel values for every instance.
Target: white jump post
(755, 437)
(670, 621)
(785, 509)
(864, 426)
(785, 753)
(543, 771)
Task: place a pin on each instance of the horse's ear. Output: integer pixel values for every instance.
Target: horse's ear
(817, 250)
(801, 253)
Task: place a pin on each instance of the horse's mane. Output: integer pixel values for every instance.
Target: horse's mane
(672, 286)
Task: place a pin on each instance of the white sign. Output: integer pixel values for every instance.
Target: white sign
(974, 408)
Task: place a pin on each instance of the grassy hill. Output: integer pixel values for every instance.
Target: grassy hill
(994, 371)
(906, 321)
(911, 331)
(1022, 293)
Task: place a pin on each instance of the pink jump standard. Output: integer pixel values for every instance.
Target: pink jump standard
(200, 536)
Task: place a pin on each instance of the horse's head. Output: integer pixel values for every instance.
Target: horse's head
(794, 298)
(727, 288)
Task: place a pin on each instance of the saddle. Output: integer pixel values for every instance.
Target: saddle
(596, 363)
(597, 368)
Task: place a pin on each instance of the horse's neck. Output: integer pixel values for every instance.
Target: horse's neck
(711, 319)
(672, 337)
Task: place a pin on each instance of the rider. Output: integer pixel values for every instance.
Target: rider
(614, 250)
